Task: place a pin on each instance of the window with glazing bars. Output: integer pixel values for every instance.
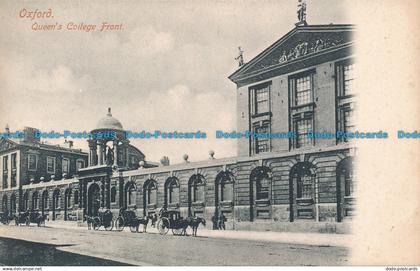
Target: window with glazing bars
(349, 79)
(262, 144)
(303, 126)
(305, 187)
(348, 120)
(262, 99)
(303, 90)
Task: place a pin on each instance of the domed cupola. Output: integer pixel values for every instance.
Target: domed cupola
(109, 123)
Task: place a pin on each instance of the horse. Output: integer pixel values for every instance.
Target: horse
(194, 222)
(144, 221)
(89, 220)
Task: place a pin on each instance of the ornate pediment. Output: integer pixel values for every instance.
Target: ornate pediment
(6, 144)
(301, 42)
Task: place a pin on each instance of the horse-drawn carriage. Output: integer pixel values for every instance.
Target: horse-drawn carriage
(28, 217)
(5, 218)
(178, 225)
(104, 218)
(130, 219)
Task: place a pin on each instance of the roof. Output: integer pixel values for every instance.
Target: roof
(8, 144)
(301, 43)
(109, 123)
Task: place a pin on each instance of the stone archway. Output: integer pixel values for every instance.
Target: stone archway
(260, 193)
(94, 199)
(302, 191)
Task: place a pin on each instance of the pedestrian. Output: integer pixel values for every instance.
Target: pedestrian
(222, 220)
(214, 220)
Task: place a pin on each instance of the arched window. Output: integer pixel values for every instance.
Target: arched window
(13, 203)
(113, 194)
(172, 191)
(25, 201)
(131, 193)
(262, 183)
(151, 192)
(56, 199)
(35, 200)
(68, 198)
(44, 201)
(224, 183)
(305, 184)
(196, 187)
(76, 197)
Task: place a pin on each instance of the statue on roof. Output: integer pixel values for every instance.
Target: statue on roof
(240, 57)
(301, 13)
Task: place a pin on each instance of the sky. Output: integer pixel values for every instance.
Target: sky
(166, 69)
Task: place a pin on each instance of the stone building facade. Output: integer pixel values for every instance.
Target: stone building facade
(303, 82)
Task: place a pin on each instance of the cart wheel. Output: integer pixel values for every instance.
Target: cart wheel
(163, 225)
(28, 222)
(96, 223)
(176, 231)
(134, 228)
(109, 226)
(119, 223)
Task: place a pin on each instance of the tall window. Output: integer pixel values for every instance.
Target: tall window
(263, 188)
(261, 183)
(50, 164)
(66, 166)
(348, 183)
(197, 185)
(5, 171)
(32, 161)
(226, 187)
(44, 200)
(131, 194)
(262, 143)
(346, 86)
(349, 79)
(348, 120)
(76, 197)
(14, 161)
(5, 163)
(13, 173)
(35, 200)
(260, 99)
(25, 201)
(303, 90)
(151, 192)
(56, 199)
(68, 198)
(172, 191)
(113, 194)
(303, 126)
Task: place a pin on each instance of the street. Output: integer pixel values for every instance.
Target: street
(21, 245)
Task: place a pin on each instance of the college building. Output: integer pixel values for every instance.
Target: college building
(303, 82)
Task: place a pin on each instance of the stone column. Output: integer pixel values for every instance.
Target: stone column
(115, 153)
(103, 192)
(92, 152)
(107, 192)
(101, 152)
